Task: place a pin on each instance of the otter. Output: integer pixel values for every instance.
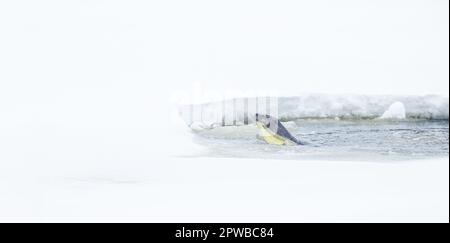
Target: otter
(273, 132)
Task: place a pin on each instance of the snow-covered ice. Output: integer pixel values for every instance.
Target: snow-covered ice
(230, 190)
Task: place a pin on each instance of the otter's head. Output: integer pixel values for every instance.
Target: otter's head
(263, 120)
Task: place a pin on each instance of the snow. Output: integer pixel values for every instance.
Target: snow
(348, 106)
(395, 111)
(230, 190)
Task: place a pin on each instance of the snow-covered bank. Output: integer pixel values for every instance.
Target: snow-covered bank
(318, 106)
(229, 190)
